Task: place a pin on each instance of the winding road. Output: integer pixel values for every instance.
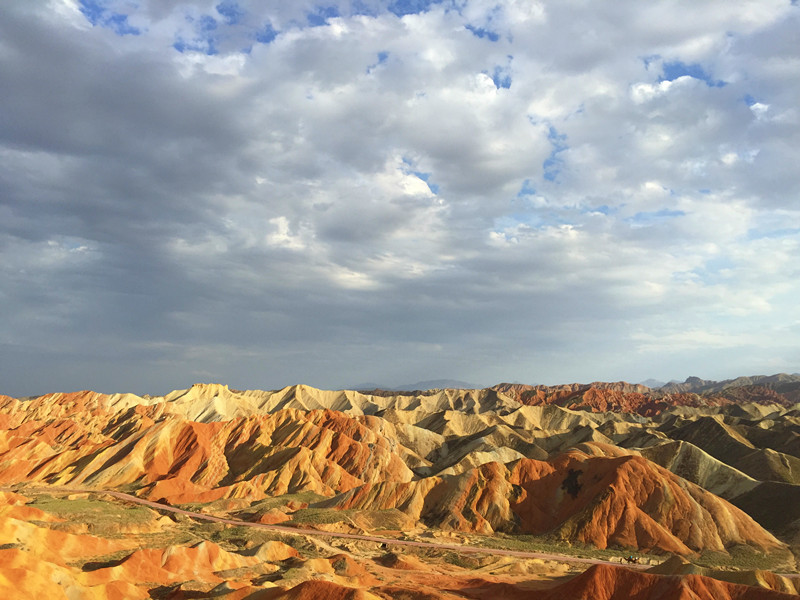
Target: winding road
(459, 548)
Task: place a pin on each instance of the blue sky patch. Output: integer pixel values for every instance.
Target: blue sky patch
(402, 8)
(182, 46)
(603, 209)
(383, 56)
(643, 219)
(98, 15)
(207, 46)
(673, 70)
(232, 12)
(426, 178)
(206, 24)
(515, 219)
(526, 189)
(749, 100)
(266, 34)
(713, 271)
(118, 23)
(483, 33)
(501, 77)
(321, 16)
(92, 10)
(553, 163)
(205, 42)
(360, 8)
(410, 168)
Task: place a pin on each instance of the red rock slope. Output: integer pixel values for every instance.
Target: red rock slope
(603, 582)
(623, 501)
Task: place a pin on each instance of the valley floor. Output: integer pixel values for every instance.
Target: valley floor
(70, 542)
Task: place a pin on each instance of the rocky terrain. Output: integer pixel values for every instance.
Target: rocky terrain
(701, 480)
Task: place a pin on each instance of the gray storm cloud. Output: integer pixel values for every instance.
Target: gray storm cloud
(263, 195)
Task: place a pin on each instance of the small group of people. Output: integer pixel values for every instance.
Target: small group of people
(632, 559)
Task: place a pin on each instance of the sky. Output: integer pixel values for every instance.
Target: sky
(268, 193)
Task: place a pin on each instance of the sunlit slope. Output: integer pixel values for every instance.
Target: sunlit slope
(553, 461)
(624, 501)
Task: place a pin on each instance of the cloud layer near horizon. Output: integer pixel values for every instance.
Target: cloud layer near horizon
(271, 193)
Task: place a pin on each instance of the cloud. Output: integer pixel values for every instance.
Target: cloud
(395, 192)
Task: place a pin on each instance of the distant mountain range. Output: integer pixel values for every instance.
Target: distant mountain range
(431, 384)
(653, 384)
(777, 382)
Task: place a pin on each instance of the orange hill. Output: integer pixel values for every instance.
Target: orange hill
(602, 582)
(624, 501)
(468, 460)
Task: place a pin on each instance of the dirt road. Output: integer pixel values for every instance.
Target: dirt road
(460, 548)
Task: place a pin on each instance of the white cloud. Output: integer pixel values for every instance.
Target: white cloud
(282, 237)
(401, 182)
(69, 11)
(759, 109)
(693, 339)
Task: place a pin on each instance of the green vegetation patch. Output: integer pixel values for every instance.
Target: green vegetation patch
(543, 544)
(739, 557)
(93, 511)
(322, 516)
(390, 519)
(105, 517)
(237, 538)
(745, 558)
(300, 497)
(254, 509)
(465, 561)
(233, 537)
